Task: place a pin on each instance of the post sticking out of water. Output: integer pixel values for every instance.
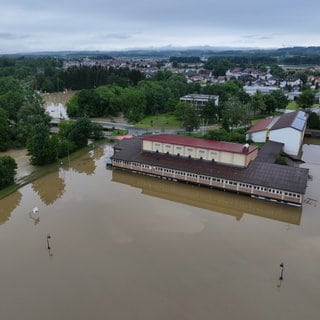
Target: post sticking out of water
(48, 243)
(281, 274)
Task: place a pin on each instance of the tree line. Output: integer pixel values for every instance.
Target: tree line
(24, 123)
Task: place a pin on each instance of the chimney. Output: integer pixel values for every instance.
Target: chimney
(245, 148)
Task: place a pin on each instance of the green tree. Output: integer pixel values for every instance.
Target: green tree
(4, 130)
(31, 113)
(275, 100)
(73, 107)
(8, 168)
(235, 114)
(41, 146)
(12, 96)
(257, 102)
(190, 118)
(277, 71)
(313, 121)
(81, 130)
(180, 109)
(209, 112)
(306, 99)
(89, 103)
(134, 104)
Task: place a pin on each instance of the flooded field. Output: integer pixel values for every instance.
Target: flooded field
(113, 245)
(57, 97)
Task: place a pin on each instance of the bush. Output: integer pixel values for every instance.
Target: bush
(223, 135)
(8, 168)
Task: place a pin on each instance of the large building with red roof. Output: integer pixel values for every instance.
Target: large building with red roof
(232, 167)
(228, 153)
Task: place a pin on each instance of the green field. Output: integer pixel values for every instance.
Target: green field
(292, 105)
(161, 121)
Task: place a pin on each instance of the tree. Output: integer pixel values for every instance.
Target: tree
(209, 112)
(306, 99)
(31, 113)
(275, 100)
(257, 102)
(42, 147)
(89, 103)
(190, 118)
(134, 104)
(180, 109)
(73, 106)
(8, 168)
(313, 121)
(4, 130)
(11, 96)
(235, 114)
(81, 130)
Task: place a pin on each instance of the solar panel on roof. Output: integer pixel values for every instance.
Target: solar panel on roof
(301, 115)
(298, 124)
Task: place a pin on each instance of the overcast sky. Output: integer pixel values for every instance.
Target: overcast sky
(41, 25)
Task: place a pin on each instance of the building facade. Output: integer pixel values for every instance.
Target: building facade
(288, 129)
(199, 100)
(261, 178)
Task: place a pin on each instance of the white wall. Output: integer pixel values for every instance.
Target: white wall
(290, 137)
(259, 136)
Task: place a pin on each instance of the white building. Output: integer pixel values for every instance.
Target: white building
(288, 129)
(252, 90)
(199, 100)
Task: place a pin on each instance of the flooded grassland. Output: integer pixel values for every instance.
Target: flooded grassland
(125, 246)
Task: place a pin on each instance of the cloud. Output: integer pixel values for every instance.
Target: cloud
(12, 36)
(107, 25)
(116, 36)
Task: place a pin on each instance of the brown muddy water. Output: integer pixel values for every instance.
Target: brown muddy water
(125, 246)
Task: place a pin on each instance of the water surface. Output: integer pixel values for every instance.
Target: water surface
(126, 246)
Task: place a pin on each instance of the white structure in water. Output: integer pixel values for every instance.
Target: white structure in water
(57, 112)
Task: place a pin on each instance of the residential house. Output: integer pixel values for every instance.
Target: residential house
(288, 129)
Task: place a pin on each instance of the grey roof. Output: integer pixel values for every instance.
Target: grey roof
(292, 179)
(296, 120)
(270, 151)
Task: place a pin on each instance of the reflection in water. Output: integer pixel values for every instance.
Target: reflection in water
(98, 152)
(50, 187)
(214, 200)
(84, 164)
(8, 204)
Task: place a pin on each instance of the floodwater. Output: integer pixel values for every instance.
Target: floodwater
(125, 246)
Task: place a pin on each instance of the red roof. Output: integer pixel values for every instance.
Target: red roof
(260, 125)
(199, 143)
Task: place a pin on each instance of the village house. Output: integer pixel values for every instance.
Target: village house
(288, 129)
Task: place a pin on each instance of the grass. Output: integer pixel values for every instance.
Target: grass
(292, 105)
(119, 132)
(161, 121)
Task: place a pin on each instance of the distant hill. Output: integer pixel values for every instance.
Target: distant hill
(305, 54)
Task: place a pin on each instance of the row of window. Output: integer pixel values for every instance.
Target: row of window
(175, 147)
(207, 178)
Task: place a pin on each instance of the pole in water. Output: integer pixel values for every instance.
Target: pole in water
(48, 243)
(281, 275)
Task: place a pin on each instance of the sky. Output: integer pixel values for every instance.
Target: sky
(41, 25)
